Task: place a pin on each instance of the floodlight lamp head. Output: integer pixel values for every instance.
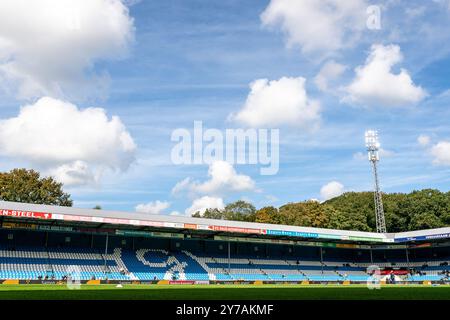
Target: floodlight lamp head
(372, 142)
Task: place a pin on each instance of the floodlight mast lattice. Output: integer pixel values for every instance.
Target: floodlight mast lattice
(373, 146)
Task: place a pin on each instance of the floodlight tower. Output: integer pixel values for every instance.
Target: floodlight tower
(373, 145)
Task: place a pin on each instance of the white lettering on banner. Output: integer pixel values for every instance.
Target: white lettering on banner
(25, 214)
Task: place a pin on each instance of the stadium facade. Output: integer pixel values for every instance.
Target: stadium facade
(41, 243)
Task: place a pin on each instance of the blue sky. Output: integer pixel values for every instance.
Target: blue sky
(195, 60)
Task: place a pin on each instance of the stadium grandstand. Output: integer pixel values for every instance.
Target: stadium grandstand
(41, 243)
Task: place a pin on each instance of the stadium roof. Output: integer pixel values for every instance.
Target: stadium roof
(105, 217)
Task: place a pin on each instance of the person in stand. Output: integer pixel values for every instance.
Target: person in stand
(392, 276)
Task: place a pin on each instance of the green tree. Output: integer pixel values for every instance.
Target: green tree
(22, 185)
(267, 215)
(396, 220)
(354, 211)
(239, 211)
(347, 221)
(422, 209)
(307, 214)
(213, 214)
(425, 221)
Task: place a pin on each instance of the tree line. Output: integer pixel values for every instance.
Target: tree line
(422, 209)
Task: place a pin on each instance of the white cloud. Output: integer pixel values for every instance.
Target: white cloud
(441, 153)
(317, 26)
(131, 3)
(270, 198)
(445, 3)
(50, 47)
(223, 178)
(75, 145)
(279, 102)
(203, 203)
(74, 174)
(153, 207)
(415, 12)
(329, 72)
(423, 140)
(376, 84)
(384, 153)
(331, 190)
(182, 185)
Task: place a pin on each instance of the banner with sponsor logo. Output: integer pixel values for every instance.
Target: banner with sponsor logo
(148, 234)
(19, 225)
(235, 229)
(421, 245)
(181, 282)
(55, 228)
(422, 238)
(25, 214)
(292, 233)
(292, 242)
(366, 239)
(383, 247)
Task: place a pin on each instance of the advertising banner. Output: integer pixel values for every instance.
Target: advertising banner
(292, 233)
(18, 225)
(422, 238)
(181, 282)
(174, 225)
(151, 223)
(235, 229)
(168, 235)
(148, 234)
(25, 214)
(365, 239)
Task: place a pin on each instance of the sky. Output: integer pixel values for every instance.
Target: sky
(91, 93)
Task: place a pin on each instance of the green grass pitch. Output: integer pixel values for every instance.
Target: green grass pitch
(223, 292)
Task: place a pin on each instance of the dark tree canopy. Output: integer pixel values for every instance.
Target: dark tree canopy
(22, 185)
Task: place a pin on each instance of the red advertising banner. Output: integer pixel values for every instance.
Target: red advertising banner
(396, 272)
(235, 229)
(25, 214)
(182, 282)
(422, 245)
(190, 226)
